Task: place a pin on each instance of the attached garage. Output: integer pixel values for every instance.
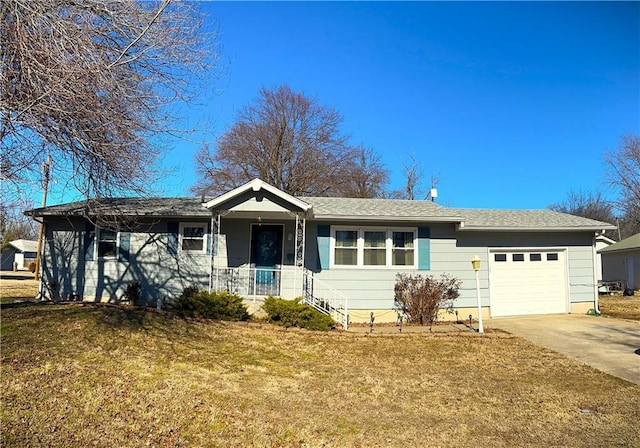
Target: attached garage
(527, 281)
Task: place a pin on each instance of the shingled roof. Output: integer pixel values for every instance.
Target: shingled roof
(342, 208)
(631, 243)
(331, 208)
(152, 207)
(481, 219)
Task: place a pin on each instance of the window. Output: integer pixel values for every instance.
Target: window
(552, 256)
(518, 257)
(377, 247)
(500, 257)
(402, 249)
(346, 252)
(192, 237)
(535, 257)
(107, 243)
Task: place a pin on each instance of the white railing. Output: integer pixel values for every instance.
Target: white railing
(256, 283)
(326, 299)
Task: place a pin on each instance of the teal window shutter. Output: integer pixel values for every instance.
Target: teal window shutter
(125, 246)
(207, 243)
(424, 248)
(324, 246)
(172, 237)
(89, 241)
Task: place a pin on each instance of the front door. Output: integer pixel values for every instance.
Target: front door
(266, 255)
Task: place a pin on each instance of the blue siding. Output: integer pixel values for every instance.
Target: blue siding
(424, 248)
(324, 246)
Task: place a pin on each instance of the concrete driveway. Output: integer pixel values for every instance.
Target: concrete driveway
(610, 345)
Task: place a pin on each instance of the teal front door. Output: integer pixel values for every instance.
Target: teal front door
(266, 255)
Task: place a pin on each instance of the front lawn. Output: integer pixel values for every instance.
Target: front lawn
(104, 376)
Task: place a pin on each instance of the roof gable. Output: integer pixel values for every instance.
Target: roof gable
(244, 198)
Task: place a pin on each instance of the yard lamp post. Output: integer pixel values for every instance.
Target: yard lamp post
(475, 262)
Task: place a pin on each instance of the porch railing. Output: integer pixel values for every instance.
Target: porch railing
(256, 283)
(325, 299)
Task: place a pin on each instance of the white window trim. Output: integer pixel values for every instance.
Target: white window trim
(181, 228)
(360, 247)
(96, 245)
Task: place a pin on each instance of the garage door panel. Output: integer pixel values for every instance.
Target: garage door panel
(527, 282)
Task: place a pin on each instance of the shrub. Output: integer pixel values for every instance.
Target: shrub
(422, 297)
(292, 313)
(132, 292)
(211, 305)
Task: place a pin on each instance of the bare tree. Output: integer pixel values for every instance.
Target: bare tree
(414, 181)
(14, 225)
(365, 175)
(90, 82)
(624, 173)
(290, 141)
(592, 205)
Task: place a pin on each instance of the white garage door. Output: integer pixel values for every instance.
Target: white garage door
(527, 282)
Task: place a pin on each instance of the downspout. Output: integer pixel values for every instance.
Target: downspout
(596, 305)
(212, 242)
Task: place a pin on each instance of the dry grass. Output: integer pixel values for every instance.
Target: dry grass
(87, 375)
(620, 306)
(17, 287)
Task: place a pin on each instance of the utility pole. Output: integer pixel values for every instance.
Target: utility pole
(46, 171)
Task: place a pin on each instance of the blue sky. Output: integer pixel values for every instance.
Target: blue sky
(511, 104)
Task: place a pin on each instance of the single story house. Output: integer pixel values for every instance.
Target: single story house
(21, 252)
(621, 262)
(342, 254)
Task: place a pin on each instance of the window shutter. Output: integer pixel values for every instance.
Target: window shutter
(172, 238)
(424, 248)
(125, 246)
(207, 243)
(324, 246)
(89, 241)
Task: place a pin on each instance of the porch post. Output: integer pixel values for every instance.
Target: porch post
(300, 238)
(215, 238)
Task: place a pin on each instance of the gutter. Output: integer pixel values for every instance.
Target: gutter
(530, 229)
(379, 218)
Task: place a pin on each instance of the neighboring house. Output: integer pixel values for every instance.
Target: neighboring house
(340, 253)
(621, 262)
(21, 252)
(601, 243)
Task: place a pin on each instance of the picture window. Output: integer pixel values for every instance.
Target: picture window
(375, 247)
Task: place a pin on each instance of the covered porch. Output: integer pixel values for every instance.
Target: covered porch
(258, 250)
